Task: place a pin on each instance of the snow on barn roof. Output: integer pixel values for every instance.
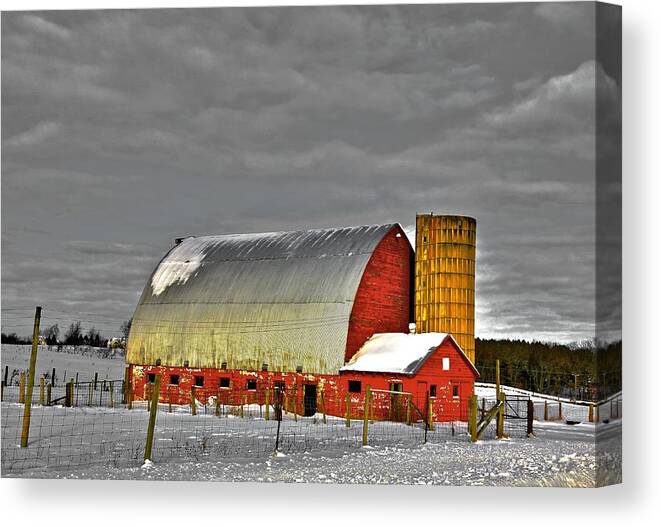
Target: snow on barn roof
(281, 298)
(395, 352)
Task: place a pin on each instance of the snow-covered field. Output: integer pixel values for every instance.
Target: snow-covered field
(84, 361)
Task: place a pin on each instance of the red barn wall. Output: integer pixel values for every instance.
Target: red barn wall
(383, 300)
(445, 406)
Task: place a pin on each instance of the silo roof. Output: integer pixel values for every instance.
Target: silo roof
(280, 298)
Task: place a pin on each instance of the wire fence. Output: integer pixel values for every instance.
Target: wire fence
(96, 424)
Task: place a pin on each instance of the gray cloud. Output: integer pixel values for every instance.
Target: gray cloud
(125, 129)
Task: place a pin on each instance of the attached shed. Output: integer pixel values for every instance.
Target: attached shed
(431, 367)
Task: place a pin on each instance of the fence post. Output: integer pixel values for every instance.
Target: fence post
(430, 413)
(152, 417)
(267, 404)
(500, 422)
(42, 386)
(96, 379)
(323, 405)
(21, 388)
(366, 412)
(193, 405)
(33, 366)
(472, 417)
(408, 409)
(347, 410)
(591, 413)
(596, 413)
(530, 416)
(125, 393)
(546, 410)
(559, 410)
(48, 394)
(68, 398)
(112, 394)
(52, 377)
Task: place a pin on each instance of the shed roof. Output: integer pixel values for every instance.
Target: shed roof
(402, 353)
(283, 298)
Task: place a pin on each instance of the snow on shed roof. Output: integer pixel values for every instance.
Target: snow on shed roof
(400, 353)
(395, 352)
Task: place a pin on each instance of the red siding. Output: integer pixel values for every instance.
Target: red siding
(335, 387)
(382, 303)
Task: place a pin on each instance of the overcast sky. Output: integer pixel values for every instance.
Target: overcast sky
(124, 129)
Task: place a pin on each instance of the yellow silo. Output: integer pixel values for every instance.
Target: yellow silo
(445, 277)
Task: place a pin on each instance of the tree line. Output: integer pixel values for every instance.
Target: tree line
(585, 370)
(73, 336)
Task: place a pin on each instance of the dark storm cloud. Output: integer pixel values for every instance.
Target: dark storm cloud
(124, 129)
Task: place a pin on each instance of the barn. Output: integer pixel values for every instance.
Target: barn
(235, 316)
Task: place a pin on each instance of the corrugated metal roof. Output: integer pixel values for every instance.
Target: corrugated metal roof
(281, 298)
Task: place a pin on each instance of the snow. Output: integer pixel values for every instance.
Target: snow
(395, 352)
(180, 263)
(82, 360)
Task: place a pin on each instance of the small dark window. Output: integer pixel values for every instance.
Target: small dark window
(265, 367)
(424, 239)
(251, 384)
(354, 387)
(223, 365)
(432, 390)
(455, 390)
(224, 382)
(199, 380)
(151, 378)
(174, 379)
(395, 386)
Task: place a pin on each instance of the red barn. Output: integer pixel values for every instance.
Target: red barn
(234, 316)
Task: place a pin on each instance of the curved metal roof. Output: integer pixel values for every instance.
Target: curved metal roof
(280, 298)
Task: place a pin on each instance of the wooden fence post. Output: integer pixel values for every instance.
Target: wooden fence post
(408, 409)
(430, 414)
(323, 405)
(347, 410)
(27, 410)
(49, 394)
(500, 421)
(152, 417)
(530, 416)
(125, 386)
(112, 394)
(591, 413)
(472, 417)
(42, 386)
(21, 388)
(267, 404)
(96, 379)
(366, 412)
(193, 404)
(559, 410)
(546, 410)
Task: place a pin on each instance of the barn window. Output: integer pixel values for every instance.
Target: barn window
(354, 387)
(199, 380)
(224, 382)
(395, 386)
(223, 365)
(446, 363)
(251, 384)
(151, 378)
(432, 390)
(174, 379)
(455, 390)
